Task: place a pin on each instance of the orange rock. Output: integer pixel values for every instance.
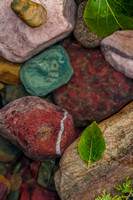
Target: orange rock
(9, 72)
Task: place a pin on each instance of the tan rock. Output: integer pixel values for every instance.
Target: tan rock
(9, 72)
(74, 182)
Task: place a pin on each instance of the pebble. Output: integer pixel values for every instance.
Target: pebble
(4, 187)
(19, 42)
(8, 152)
(10, 93)
(82, 33)
(96, 90)
(46, 71)
(40, 129)
(46, 174)
(9, 72)
(118, 51)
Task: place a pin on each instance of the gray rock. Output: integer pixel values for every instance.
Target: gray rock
(19, 42)
(82, 33)
(74, 182)
(118, 51)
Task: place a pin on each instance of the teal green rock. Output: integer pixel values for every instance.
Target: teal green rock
(46, 71)
(46, 174)
(8, 152)
(10, 93)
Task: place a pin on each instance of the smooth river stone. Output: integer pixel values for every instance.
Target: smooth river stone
(40, 129)
(47, 71)
(82, 33)
(9, 72)
(75, 182)
(96, 90)
(118, 51)
(19, 42)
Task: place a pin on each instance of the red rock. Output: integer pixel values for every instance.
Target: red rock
(40, 129)
(40, 193)
(3, 191)
(25, 195)
(96, 90)
(34, 168)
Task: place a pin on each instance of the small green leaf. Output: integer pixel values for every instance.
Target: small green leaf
(104, 17)
(92, 145)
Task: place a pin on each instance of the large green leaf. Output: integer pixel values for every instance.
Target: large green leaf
(92, 144)
(104, 17)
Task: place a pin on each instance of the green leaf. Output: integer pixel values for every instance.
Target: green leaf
(92, 144)
(104, 17)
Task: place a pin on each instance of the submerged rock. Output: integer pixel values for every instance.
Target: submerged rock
(118, 51)
(75, 182)
(40, 129)
(9, 72)
(8, 152)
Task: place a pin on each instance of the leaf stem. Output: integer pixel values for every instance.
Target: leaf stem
(88, 165)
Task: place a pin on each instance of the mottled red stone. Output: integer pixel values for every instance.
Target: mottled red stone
(35, 125)
(40, 193)
(3, 191)
(25, 195)
(96, 90)
(34, 168)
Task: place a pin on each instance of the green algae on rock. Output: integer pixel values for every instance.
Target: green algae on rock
(46, 71)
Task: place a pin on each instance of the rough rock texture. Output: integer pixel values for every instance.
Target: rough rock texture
(82, 33)
(74, 182)
(9, 72)
(96, 90)
(118, 51)
(18, 41)
(40, 129)
(46, 71)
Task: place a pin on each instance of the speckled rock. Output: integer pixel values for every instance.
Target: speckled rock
(118, 51)
(19, 42)
(9, 72)
(46, 71)
(75, 182)
(10, 93)
(82, 33)
(8, 152)
(40, 129)
(95, 91)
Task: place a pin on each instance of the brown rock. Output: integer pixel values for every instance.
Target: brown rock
(74, 182)
(82, 33)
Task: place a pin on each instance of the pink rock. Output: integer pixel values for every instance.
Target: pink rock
(40, 129)
(118, 51)
(19, 42)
